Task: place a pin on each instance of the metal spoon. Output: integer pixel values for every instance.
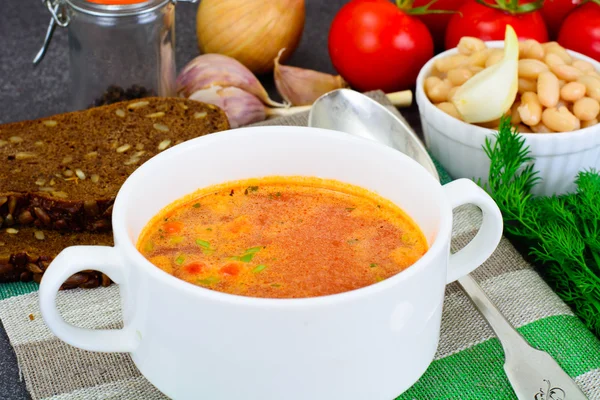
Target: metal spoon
(534, 374)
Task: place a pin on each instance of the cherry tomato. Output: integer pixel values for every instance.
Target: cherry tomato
(581, 30)
(555, 12)
(375, 45)
(488, 23)
(437, 23)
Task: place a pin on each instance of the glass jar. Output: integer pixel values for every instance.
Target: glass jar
(117, 49)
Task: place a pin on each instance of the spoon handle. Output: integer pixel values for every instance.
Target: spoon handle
(505, 332)
(533, 374)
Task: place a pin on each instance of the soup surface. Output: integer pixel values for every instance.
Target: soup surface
(282, 237)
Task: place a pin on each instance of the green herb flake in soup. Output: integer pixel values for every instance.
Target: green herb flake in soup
(211, 280)
(203, 243)
(259, 268)
(176, 239)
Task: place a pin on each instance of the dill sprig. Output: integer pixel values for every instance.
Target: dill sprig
(561, 234)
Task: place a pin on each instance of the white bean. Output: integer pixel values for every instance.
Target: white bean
(479, 58)
(439, 93)
(530, 109)
(524, 129)
(475, 69)
(495, 57)
(447, 63)
(526, 85)
(560, 120)
(452, 92)
(566, 72)
(586, 109)
(541, 128)
(530, 69)
(449, 109)
(561, 52)
(459, 76)
(515, 117)
(430, 83)
(552, 59)
(583, 66)
(533, 49)
(548, 89)
(572, 91)
(592, 86)
(469, 45)
(547, 45)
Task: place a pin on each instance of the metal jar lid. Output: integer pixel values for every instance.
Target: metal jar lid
(100, 8)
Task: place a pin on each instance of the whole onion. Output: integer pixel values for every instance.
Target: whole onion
(251, 31)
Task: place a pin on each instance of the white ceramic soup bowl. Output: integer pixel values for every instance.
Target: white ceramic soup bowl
(459, 145)
(190, 342)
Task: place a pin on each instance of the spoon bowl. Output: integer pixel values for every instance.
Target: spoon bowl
(349, 111)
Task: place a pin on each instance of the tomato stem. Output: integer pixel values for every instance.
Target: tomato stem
(513, 6)
(406, 6)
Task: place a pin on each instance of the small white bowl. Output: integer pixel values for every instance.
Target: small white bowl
(459, 145)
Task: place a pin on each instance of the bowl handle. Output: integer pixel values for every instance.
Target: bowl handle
(465, 191)
(70, 261)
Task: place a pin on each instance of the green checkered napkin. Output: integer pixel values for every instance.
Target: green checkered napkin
(467, 366)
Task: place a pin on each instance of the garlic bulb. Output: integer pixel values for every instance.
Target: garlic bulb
(218, 70)
(489, 94)
(251, 31)
(301, 86)
(241, 107)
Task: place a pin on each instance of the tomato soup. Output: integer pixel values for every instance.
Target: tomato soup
(282, 237)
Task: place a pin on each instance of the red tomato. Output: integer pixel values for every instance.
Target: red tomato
(555, 12)
(581, 30)
(488, 23)
(437, 23)
(375, 45)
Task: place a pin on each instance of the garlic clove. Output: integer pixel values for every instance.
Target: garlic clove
(300, 86)
(489, 94)
(241, 107)
(218, 70)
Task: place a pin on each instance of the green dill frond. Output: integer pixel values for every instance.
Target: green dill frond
(562, 233)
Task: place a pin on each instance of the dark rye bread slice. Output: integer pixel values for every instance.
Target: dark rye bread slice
(63, 172)
(25, 253)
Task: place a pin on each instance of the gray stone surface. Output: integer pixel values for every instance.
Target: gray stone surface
(28, 92)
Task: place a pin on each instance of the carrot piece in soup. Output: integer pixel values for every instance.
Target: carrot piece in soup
(194, 268)
(173, 227)
(230, 269)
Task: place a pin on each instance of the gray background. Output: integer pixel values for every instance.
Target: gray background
(28, 92)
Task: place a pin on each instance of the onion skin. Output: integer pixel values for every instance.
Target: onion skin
(251, 31)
